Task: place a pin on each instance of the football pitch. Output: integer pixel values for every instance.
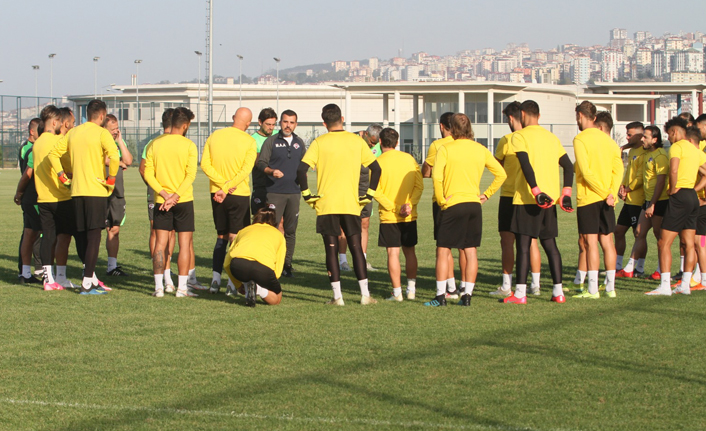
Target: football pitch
(128, 361)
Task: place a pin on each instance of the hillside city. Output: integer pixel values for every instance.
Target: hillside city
(642, 57)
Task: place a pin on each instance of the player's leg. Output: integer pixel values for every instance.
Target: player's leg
(666, 238)
(26, 250)
(555, 268)
(48, 242)
(159, 260)
(220, 249)
(687, 238)
(342, 259)
(535, 266)
(411, 266)
(332, 267)
(184, 262)
(112, 245)
(522, 267)
(168, 282)
(290, 221)
(394, 269)
(620, 244)
(609, 260)
(582, 269)
(507, 251)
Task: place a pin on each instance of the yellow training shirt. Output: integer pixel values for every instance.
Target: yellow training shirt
(337, 157)
(228, 158)
(400, 183)
(633, 176)
(171, 165)
(46, 181)
(701, 193)
(598, 168)
(544, 150)
(504, 153)
(656, 163)
(690, 159)
(260, 243)
(87, 145)
(458, 169)
(431, 154)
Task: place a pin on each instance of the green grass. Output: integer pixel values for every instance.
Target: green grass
(128, 361)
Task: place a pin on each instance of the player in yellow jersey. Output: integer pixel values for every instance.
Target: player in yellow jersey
(536, 189)
(686, 161)
(599, 172)
(508, 159)
(458, 169)
(53, 200)
(170, 169)
(88, 146)
(256, 258)
(337, 157)
(399, 191)
(655, 184)
(168, 282)
(427, 166)
(700, 239)
(633, 193)
(228, 159)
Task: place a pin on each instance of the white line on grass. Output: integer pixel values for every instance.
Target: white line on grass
(291, 418)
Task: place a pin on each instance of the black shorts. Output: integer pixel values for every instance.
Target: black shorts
(460, 226)
(531, 220)
(179, 218)
(398, 234)
(258, 200)
(58, 216)
(660, 207)
(331, 225)
(150, 202)
(596, 218)
(682, 211)
(701, 221)
(30, 217)
(435, 210)
(629, 215)
(232, 214)
(90, 212)
(116, 212)
(246, 270)
(367, 211)
(505, 213)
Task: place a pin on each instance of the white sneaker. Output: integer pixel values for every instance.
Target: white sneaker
(398, 298)
(169, 288)
(67, 284)
(345, 266)
(370, 267)
(501, 292)
(195, 285)
(681, 291)
(185, 293)
(411, 295)
(368, 300)
(660, 292)
(534, 290)
(215, 287)
(338, 301)
(158, 292)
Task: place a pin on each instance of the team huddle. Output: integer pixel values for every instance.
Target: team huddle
(74, 176)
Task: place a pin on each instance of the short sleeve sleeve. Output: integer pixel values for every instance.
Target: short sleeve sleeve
(500, 150)
(661, 165)
(675, 151)
(366, 155)
(311, 156)
(518, 143)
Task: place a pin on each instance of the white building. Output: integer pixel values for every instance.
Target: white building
(581, 69)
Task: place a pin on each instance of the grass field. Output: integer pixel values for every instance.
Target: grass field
(128, 361)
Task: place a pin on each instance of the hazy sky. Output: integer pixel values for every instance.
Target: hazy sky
(165, 34)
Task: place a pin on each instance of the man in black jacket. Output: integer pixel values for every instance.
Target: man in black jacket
(279, 159)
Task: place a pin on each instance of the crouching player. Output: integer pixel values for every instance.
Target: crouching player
(256, 258)
(399, 191)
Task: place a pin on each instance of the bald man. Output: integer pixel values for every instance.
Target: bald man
(228, 158)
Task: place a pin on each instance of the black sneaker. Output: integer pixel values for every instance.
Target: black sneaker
(439, 301)
(287, 271)
(465, 300)
(117, 272)
(29, 280)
